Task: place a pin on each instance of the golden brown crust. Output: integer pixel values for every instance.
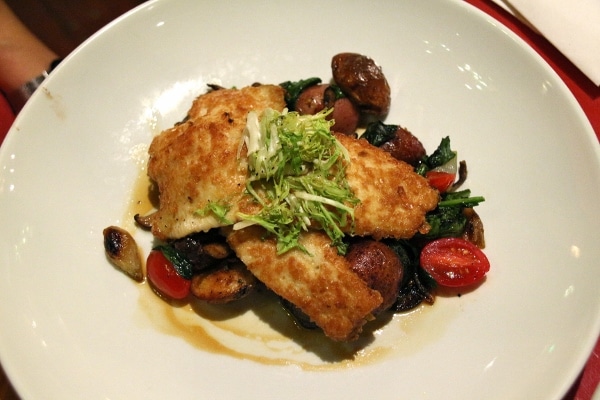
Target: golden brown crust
(201, 161)
(321, 283)
(196, 162)
(394, 199)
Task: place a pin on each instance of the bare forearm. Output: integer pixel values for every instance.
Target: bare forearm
(22, 55)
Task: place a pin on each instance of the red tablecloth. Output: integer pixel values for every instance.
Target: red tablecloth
(585, 92)
(6, 117)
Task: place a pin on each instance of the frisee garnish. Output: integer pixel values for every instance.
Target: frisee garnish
(218, 209)
(297, 173)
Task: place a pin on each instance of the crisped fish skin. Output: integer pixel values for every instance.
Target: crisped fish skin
(321, 283)
(196, 162)
(393, 198)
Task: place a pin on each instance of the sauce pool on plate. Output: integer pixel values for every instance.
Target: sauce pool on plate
(258, 328)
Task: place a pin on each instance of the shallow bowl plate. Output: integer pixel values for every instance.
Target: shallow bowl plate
(72, 327)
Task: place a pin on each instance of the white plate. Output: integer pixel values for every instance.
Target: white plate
(72, 327)
(596, 395)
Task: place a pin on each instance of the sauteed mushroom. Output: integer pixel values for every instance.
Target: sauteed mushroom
(230, 282)
(362, 81)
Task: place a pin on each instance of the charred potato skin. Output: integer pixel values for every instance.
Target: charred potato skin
(379, 266)
(363, 82)
(122, 250)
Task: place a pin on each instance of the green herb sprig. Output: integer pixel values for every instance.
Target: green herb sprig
(297, 174)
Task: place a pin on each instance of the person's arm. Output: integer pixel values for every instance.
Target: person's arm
(22, 55)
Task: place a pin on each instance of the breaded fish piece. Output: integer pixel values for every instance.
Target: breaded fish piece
(196, 163)
(393, 198)
(321, 283)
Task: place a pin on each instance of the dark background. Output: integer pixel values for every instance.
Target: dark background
(64, 24)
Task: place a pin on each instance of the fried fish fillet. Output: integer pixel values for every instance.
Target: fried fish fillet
(201, 162)
(320, 283)
(196, 162)
(393, 198)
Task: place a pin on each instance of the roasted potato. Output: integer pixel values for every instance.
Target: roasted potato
(379, 266)
(318, 97)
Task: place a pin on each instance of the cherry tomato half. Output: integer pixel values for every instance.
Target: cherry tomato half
(440, 180)
(164, 278)
(454, 262)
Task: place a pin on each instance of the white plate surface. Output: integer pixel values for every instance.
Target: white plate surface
(72, 327)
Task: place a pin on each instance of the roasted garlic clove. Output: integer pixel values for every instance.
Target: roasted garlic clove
(122, 250)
